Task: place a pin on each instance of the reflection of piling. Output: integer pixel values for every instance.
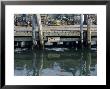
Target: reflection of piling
(88, 63)
(41, 63)
(89, 23)
(22, 44)
(37, 63)
(85, 63)
(34, 63)
(81, 63)
(81, 29)
(40, 31)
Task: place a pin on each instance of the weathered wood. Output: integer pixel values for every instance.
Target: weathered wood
(45, 38)
(40, 30)
(34, 27)
(89, 23)
(69, 39)
(62, 33)
(94, 33)
(67, 27)
(27, 31)
(23, 33)
(23, 39)
(49, 28)
(81, 29)
(52, 33)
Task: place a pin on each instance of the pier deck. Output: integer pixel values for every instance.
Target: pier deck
(25, 33)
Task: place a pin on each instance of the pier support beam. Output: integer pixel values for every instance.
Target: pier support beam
(40, 30)
(34, 28)
(89, 23)
(85, 19)
(81, 29)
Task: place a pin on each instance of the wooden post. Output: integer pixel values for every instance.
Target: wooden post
(81, 29)
(34, 28)
(85, 19)
(89, 23)
(40, 30)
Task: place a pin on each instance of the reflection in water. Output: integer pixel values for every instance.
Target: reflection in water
(56, 63)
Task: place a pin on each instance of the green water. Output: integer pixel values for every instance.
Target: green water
(56, 63)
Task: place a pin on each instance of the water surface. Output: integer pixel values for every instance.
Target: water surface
(55, 62)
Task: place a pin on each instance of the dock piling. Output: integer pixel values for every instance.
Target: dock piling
(89, 23)
(34, 28)
(81, 29)
(40, 31)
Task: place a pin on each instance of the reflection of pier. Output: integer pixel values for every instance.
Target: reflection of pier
(60, 64)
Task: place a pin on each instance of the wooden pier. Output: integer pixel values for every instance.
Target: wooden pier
(56, 33)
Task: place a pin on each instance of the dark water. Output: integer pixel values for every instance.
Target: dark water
(56, 62)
